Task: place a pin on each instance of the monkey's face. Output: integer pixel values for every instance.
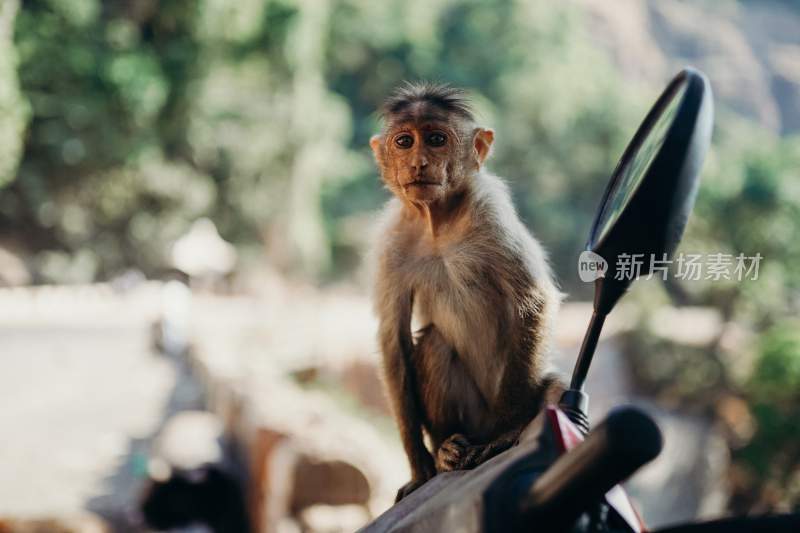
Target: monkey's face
(424, 162)
(420, 162)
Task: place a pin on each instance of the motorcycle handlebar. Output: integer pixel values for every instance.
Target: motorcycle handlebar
(612, 451)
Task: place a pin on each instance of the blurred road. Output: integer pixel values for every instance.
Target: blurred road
(80, 394)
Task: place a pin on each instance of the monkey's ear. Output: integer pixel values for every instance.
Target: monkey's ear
(482, 143)
(376, 142)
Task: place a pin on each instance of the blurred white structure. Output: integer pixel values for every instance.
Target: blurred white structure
(12, 270)
(172, 334)
(202, 253)
(189, 440)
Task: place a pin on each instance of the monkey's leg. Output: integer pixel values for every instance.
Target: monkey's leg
(401, 380)
(421, 462)
(438, 380)
(457, 453)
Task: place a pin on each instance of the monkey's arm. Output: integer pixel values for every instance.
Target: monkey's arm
(396, 345)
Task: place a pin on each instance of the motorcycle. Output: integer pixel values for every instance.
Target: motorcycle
(562, 476)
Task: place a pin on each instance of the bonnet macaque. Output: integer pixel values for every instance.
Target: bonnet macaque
(454, 260)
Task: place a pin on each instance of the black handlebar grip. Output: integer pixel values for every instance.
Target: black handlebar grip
(612, 451)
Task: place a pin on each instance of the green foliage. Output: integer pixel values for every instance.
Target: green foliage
(269, 105)
(773, 455)
(13, 107)
(108, 91)
(777, 374)
(749, 203)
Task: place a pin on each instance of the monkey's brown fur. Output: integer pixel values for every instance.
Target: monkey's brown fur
(454, 256)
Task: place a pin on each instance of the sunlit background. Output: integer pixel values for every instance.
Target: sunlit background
(146, 145)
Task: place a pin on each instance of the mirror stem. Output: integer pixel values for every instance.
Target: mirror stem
(587, 351)
(574, 402)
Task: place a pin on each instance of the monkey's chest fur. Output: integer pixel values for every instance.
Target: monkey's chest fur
(460, 317)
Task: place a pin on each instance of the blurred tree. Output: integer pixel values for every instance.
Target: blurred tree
(13, 107)
(265, 108)
(107, 83)
(750, 203)
(268, 130)
(769, 465)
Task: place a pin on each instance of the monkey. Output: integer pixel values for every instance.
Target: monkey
(453, 257)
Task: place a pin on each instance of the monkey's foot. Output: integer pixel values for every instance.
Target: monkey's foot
(408, 488)
(456, 453)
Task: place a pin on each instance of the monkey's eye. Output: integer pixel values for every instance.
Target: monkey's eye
(404, 141)
(436, 139)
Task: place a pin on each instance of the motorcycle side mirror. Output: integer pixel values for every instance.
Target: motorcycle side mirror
(644, 209)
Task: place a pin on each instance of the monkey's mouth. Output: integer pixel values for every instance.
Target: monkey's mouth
(422, 183)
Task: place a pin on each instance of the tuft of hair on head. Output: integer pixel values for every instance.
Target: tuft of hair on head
(440, 95)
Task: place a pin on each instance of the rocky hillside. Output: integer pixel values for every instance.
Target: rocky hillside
(750, 50)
